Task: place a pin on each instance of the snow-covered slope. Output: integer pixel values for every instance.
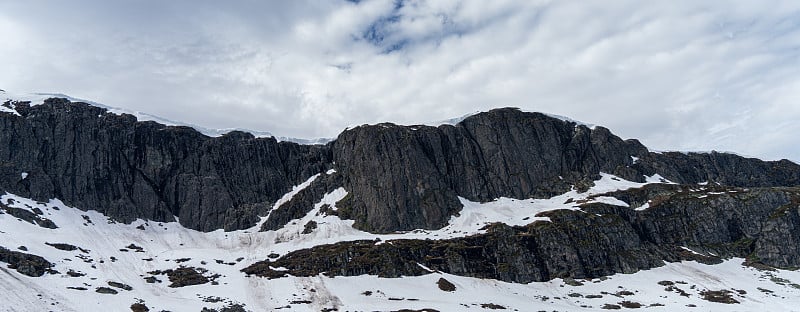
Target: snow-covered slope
(132, 255)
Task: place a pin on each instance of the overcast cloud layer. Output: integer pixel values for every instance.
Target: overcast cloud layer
(679, 75)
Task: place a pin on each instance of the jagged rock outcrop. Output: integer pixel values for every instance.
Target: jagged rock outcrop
(504, 152)
(600, 240)
(28, 216)
(397, 177)
(25, 263)
(403, 178)
(126, 169)
(722, 168)
(302, 202)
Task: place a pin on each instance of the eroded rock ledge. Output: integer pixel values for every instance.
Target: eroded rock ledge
(760, 224)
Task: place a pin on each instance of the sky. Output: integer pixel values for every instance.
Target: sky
(678, 75)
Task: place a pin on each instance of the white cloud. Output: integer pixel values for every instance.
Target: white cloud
(679, 75)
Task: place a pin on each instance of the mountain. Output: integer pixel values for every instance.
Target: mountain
(501, 204)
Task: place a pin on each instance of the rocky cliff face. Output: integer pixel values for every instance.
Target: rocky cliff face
(758, 224)
(397, 177)
(722, 168)
(126, 169)
(404, 178)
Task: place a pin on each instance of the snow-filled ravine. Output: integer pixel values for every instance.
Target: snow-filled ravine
(126, 253)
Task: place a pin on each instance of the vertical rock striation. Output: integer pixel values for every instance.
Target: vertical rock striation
(397, 177)
(126, 169)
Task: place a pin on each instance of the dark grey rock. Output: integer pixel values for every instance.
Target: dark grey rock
(139, 307)
(722, 168)
(125, 169)
(24, 263)
(398, 178)
(234, 307)
(106, 290)
(403, 178)
(152, 279)
(302, 202)
(62, 246)
(445, 285)
(184, 276)
(758, 223)
(30, 217)
(120, 285)
(309, 227)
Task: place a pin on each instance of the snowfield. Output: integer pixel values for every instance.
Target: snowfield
(125, 253)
